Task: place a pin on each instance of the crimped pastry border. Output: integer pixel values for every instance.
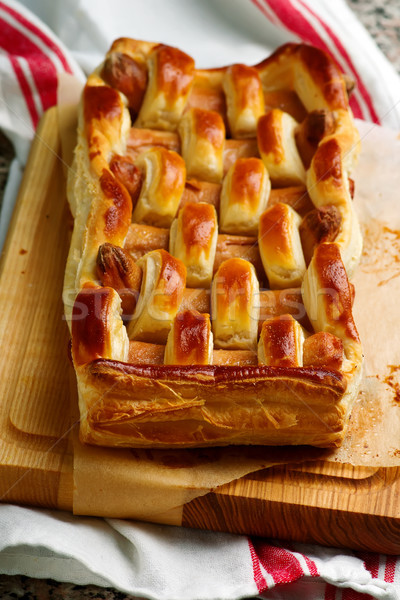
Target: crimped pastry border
(170, 406)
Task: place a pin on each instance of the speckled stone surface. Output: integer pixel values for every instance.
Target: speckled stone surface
(6, 156)
(26, 588)
(382, 19)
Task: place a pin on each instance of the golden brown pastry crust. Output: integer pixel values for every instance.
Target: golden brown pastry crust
(281, 342)
(307, 139)
(193, 239)
(116, 269)
(277, 145)
(235, 305)
(161, 293)
(163, 181)
(200, 406)
(171, 74)
(244, 98)
(244, 196)
(97, 329)
(190, 341)
(323, 348)
(319, 225)
(202, 134)
(280, 246)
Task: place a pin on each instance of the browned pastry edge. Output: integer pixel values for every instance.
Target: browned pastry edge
(126, 75)
(128, 174)
(116, 269)
(103, 108)
(169, 406)
(338, 300)
(323, 349)
(209, 375)
(310, 132)
(190, 340)
(321, 66)
(319, 225)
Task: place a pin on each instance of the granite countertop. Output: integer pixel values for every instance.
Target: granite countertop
(6, 156)
(382, 19)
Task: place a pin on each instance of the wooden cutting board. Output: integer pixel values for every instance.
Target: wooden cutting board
(331, 504)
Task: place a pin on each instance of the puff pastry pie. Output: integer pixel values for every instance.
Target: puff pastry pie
(207, 284)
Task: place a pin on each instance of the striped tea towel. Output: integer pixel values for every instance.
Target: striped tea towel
(155, 561)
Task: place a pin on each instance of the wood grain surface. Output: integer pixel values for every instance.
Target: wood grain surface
(331, 504)
(34, 389)
(300, 506)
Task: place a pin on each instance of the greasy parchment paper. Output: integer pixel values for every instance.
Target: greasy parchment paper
(373, 438)
(154, 485)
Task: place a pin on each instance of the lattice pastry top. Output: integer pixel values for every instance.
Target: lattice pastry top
(207, 281)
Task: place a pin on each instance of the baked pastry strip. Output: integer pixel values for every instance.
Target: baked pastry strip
(328, 298)
(234, 150)
(328, 184)
(280, 246)
(142, 238)
(281, 342)
(277, 145)
(235, 305)
(116, 269)
(163, 181)
(244, 196)
(323, 349)
(165, 97)
(320, 86)
(190, 340)
(202, 134)
(101, 206)
(145, 139)
(163, 283)
(244, 99)
(143, 353)
(97, 327)
(193, 239)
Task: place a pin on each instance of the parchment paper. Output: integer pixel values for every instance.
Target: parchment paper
(373, 438)
(154, 485)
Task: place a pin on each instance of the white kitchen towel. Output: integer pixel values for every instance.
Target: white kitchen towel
(147, 560)
(173, 563)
